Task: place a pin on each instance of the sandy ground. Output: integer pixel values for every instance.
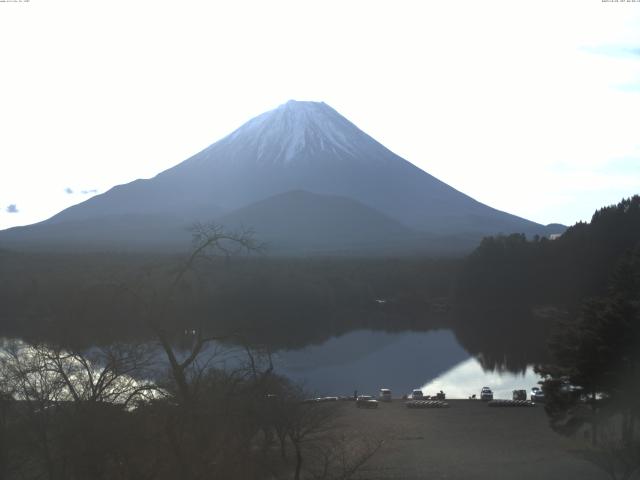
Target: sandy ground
(468, 440)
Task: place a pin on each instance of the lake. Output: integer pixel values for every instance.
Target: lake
(367, 360)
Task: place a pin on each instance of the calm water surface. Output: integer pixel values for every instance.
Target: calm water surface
(366, 361)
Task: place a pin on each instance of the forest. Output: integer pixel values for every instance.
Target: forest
(502, 300)
(286, 302)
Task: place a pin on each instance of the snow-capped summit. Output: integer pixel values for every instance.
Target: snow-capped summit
(295, 131)
(298, 127)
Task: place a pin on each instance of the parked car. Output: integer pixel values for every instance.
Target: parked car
(486, 394)
(519, 394)
(417, 395)
(385, 395)
(366, 401)
(537, 395)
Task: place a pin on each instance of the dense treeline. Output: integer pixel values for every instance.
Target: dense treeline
(512, 269)
(592, 381)
(599, 349)
(511, 290)
(285, 302)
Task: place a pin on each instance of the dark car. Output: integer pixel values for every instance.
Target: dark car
(385, 395)
(519, 394)
(486, 394)
(417, 394)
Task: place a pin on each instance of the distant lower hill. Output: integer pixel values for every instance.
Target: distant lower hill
(312, 223)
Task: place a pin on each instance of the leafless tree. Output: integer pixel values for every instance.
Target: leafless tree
(323, 448)
(307, 421)
(67, 402)
(210, 242)
(116, 374)
(190, 365)
(340, 456)
(28, 378)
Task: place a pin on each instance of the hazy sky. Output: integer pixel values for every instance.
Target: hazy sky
(532, 107)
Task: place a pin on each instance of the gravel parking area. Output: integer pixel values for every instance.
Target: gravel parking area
(468, 440)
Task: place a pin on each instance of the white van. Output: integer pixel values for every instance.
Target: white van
(385, 395)
(417, 395)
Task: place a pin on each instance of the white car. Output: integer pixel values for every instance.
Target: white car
(417, 395)
(385, 395)
(486, 394)
(537, 395)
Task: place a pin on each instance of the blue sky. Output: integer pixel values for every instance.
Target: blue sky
(530, 107)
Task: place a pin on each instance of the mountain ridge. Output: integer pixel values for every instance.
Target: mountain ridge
(305, 146)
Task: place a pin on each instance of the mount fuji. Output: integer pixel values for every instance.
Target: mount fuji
(303, 177)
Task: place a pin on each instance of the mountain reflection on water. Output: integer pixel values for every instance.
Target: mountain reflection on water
(468, 378)
(366, 361)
